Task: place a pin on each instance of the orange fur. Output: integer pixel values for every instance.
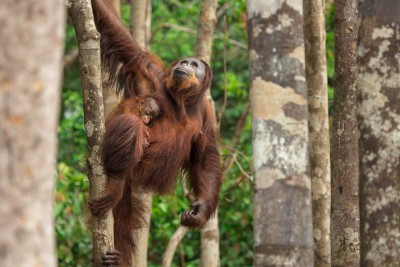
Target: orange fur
(181, 137)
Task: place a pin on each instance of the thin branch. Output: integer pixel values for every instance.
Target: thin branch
(185, 190)
(172, 245)
(239, 180)
(240, 125)
(222, 9)
(236, 137)
(238, 152)
(71, 57)
(223, 107)
(179, 232)
(194, 32)
(241, 167)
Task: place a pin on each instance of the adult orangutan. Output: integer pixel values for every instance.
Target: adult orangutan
(182, 136)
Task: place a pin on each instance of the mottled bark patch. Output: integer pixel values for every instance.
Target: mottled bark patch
(379, 115)
(275, 39)
(282, 201)
(295, 111)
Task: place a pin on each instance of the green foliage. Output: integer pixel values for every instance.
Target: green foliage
(73, 237)
(330, 45)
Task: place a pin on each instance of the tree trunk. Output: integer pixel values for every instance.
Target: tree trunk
(209, 256)
(379, 114)
(172, 245)
(345, 200)
(89, 56)
(116, 4)
(110, 97)
(139, 24)
(282, 184)
(318, 126)
(31, 49)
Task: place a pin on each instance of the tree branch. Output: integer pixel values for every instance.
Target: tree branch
(71, 57)
(194, 32)
(172, 245)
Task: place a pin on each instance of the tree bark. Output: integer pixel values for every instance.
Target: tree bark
(89, 56)
(345, 171)
(282, 184)
(210, 254)
(110, 97)
(172, 245)
(379, 114)
(116, 4)
(318, 126)
(139, 24)
(31, 50)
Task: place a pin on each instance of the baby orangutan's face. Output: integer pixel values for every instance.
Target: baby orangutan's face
(150, 110)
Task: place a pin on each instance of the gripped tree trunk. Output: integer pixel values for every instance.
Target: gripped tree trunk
(282, 185)
(139, 24)
(31, 50)
(318, 126)
(210, 254)
(345, 170)
(89, 57)
(379, 114)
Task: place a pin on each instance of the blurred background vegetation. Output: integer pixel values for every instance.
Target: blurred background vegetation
(235, 213)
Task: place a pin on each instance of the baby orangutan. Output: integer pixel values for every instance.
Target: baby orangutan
(130, 118)
(148, 109)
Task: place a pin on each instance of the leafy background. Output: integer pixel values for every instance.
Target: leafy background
(235, 213)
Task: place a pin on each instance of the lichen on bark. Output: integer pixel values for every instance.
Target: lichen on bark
(282, 198)
(379, 115)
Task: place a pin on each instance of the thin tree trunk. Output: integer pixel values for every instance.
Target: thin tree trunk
(172, 245)
(110, 97)
(138, 20)
(89, 55)
(209, 256)
(116, 4)
(31, 49)
(282, 184)
(316, 74)
(139, 24)
(345, 171)
(379, 113)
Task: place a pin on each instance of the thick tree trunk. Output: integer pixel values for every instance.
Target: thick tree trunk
(139, 24)
(316, 74)
(209, 256)
(89, 57)
(379, 113)
(345, 171)
(282, 184)
(31, 49)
